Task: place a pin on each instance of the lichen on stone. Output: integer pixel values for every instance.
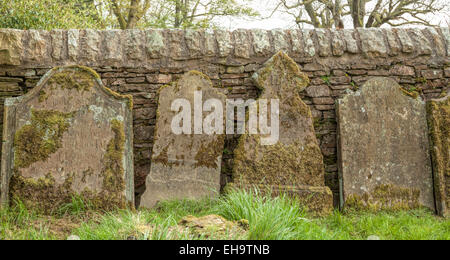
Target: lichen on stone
(113, 172)
(42, 137)
(73, 79)
(208, 153)
(279, 164)
(283, 60)
(385, 197)
(410, 93)
(439, 127)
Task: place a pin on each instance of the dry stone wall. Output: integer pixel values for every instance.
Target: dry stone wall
(139, 62)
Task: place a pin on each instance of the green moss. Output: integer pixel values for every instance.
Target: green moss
(326, 79)
(43, 96)
(422, 80)
(73, 79)
(120, 96)
(411, 92)
(38, 140)
(44, 194)
(282, 60)
(385, 197)
(279, 164)
(113, 172)
(439, 126)
(207, 154)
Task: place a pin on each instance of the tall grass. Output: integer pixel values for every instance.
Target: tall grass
(280, 218)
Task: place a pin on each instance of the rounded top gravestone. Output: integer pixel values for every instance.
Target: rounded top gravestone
(69, 136)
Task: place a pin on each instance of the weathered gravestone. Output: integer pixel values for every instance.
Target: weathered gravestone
(384, 160)
(185, 165)
(69, 136)
(439, 126)
(294, 164)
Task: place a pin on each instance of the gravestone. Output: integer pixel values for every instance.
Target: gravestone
(69, 136)
(293, 164)
(383, 151)
(184, 165)
(439, 124)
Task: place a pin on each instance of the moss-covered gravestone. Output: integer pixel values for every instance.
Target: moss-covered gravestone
(384, 160)
(185, 165)
(68, 137)
(439, 126)
(294, 164)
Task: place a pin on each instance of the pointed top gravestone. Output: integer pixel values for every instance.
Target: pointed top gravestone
(439, 126)
(69, 136)
(294, 163)
(185, 165)
(383, 150)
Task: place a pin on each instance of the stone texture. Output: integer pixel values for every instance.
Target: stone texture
(297, 43)
(337, 43)
(310, 49)
(423, 45)
(401, 70)
(349, 38)
(407, 44)
(372, 42)
(37, 48)
(112, 54)
(73, 38)
(127, 76)
(210, 43)
(439, 124)
(294, 164)
(155, 43)
(280, 40)
(10, 47)
(324, 43)
(224, 42)
(261, 42)
(437, 40)
(394, 45)
(90, 45)
(318, 91)
(187, 165)
(194, 41)
(383, 152)
(68, 136)
(241, 44)
(446, 33)
(58, 44)
(135, 42)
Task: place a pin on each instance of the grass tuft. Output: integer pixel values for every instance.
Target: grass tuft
(268, 218)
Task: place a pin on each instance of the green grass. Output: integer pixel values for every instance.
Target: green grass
(269, 218)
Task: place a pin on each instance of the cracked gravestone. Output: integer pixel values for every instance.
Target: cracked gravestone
(439, 123)
(293, 164)
(384, 160)
(185, 165)
(68, 137)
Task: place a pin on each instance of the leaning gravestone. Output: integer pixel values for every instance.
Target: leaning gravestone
(439, 126)
(384, 160)
(184, 165)
(69, 136)
(294, 164)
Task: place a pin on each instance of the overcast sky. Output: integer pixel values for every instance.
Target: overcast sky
(285, 21)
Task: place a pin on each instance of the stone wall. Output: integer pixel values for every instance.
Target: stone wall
(140, 62)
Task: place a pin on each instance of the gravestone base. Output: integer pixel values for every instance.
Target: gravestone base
(316, 200)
